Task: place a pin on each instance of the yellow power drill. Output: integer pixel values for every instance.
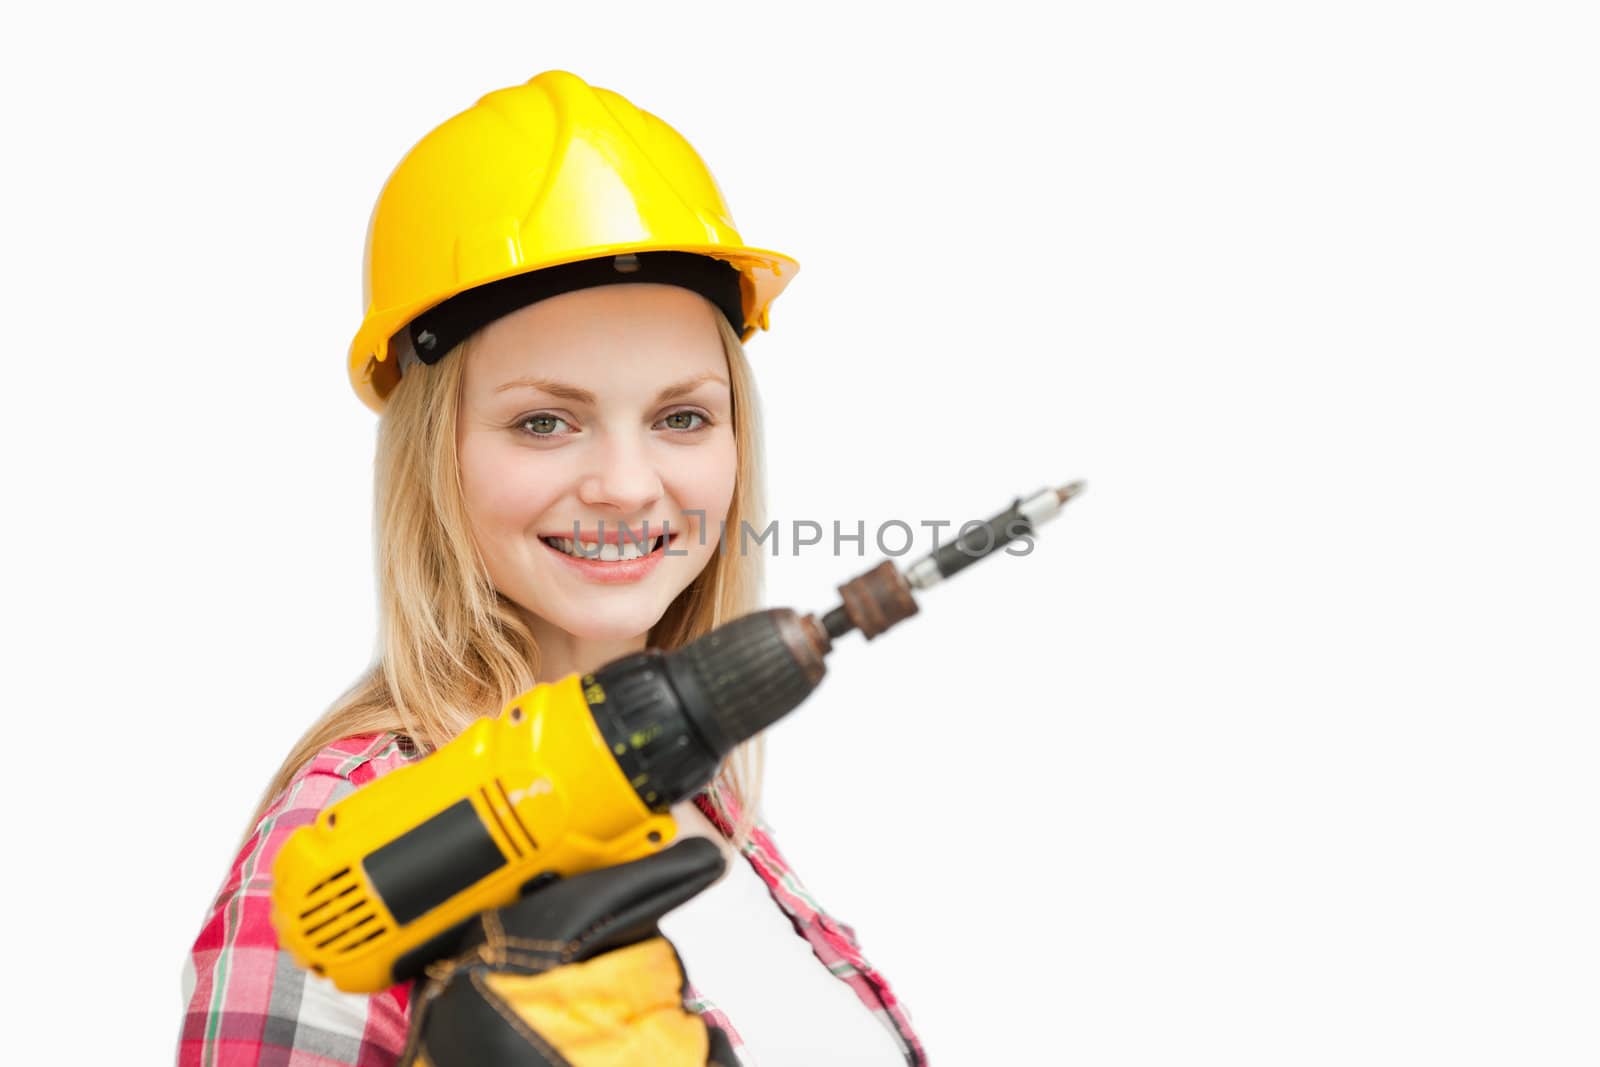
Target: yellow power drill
(572, 775)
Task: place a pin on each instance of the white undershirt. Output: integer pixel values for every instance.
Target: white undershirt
(742, 953)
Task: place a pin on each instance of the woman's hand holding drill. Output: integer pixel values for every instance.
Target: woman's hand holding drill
(575, 974)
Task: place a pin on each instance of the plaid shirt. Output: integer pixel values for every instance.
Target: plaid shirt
(250, 1004)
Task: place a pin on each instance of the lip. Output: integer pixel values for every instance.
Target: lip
(620, 572)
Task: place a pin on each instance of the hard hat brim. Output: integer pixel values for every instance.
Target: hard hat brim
(374, 373)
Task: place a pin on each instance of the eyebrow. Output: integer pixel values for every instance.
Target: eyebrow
(563, 391)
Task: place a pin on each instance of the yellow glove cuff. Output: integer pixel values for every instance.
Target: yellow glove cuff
(619, 1009)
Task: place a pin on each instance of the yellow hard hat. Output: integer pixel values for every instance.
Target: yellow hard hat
(553, 173)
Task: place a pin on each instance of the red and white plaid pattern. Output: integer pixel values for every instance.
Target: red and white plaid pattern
(249, 1004)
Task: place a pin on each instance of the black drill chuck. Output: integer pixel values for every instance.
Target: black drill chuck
(671, 717)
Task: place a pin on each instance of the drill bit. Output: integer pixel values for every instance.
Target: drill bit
(1022, 519)
(1070, 490)
(876, 600)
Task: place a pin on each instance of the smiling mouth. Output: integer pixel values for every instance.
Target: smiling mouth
(608, 552)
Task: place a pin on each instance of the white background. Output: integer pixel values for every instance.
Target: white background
(1280, 748)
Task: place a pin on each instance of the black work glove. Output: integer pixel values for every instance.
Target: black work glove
(575, 974)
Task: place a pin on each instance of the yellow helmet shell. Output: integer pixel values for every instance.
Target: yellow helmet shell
(532, 176)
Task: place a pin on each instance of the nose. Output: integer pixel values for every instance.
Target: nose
(622, 477)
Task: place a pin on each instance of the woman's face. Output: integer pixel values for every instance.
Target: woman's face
(606, 411)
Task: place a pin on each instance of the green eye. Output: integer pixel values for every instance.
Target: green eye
(685, 415)
(542, 425)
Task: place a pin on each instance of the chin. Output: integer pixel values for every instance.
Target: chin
(613, 629)
(607, 622)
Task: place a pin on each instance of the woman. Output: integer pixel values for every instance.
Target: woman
(556, 304)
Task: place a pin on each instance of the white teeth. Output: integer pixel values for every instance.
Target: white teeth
(608, 552)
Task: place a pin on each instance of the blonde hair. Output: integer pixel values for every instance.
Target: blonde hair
(451, 649)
